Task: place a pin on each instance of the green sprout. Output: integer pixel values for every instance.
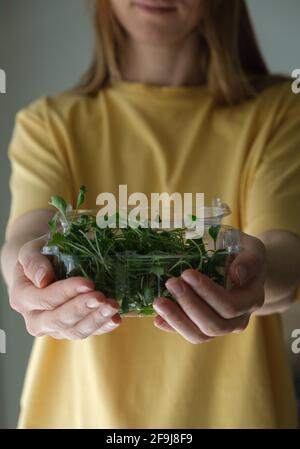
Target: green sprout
(131, 265)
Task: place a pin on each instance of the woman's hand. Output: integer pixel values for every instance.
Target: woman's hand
(68, 309)
(206, 310)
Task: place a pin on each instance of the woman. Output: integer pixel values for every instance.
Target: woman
(178, 98)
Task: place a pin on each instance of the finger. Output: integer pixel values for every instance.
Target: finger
(177, 319)
(160, 323)
(109, 326)
(94, 324)
(75, 310)
(26, 297)
(37, 267)
(250, 263)
(68, 334)
(19, 284)
(204, 317)
(228, 304)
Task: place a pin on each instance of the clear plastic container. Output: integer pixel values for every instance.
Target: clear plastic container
(136, 276)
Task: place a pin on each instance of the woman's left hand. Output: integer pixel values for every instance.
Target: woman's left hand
(205, 309)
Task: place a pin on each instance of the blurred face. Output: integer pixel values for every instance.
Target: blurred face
(158, 22)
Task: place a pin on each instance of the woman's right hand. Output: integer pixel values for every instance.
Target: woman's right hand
(70, 309)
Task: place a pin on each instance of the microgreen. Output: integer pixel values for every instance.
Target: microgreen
(59, 204)
(81, 197)
(214, 232)
(129, 264)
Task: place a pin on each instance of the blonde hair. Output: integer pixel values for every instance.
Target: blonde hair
(231, 61)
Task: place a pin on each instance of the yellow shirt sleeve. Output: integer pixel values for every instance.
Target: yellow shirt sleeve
(273, 197)
(38, 161)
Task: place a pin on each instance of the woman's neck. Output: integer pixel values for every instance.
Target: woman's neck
(163, 66)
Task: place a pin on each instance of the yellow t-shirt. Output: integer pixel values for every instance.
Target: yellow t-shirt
(162, 139)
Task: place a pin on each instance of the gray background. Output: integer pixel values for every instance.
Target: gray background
(45, 45)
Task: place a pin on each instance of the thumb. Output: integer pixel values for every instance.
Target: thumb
(250, 263)
(36, 266)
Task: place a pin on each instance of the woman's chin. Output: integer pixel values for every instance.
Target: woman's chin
(157, 39)
(147, 32)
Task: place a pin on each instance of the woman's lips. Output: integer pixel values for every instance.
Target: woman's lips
(153, 7)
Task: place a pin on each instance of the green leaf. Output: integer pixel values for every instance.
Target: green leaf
(53, 224)
(148, 295)
(81, 197)
(148, 311)
(57, 239)
(214, 232)
(59, 203)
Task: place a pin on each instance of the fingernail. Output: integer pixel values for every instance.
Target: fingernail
(39, 275)
(112, 324)
(175, 286)
(83, 289)
(189, 276)
(241, 273)
(93, 303)
(107, 311)
(158, 307)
